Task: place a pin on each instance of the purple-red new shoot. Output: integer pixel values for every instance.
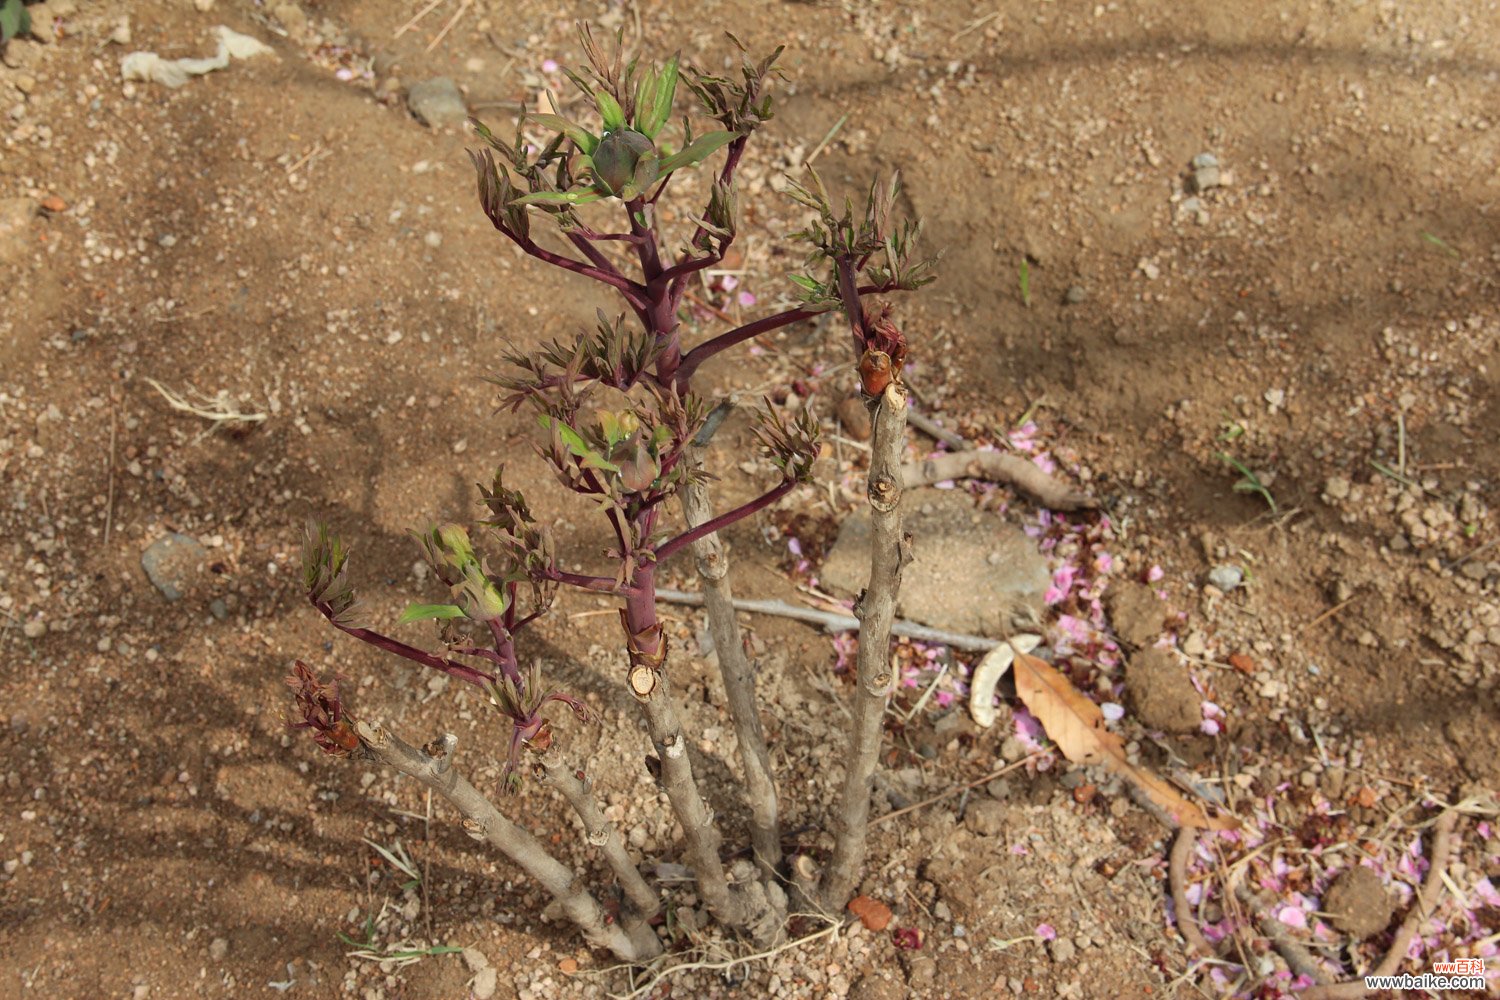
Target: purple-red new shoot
(744, 510)
(319, 709)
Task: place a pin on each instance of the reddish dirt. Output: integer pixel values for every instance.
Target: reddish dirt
(300, 244)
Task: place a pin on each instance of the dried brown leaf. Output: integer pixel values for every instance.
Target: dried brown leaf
(1076, 725)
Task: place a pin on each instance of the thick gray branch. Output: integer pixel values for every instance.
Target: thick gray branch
(997, 467)
(603, 835)
(739, 680)
(483, 821)
(876, 609)
(698, 827)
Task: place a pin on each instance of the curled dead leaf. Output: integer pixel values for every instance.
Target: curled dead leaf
(1076, 725)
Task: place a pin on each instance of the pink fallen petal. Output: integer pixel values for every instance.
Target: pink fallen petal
(1104, 562)
(1292, 916)
(1210, 727)
(1044, 462)
(549, 65)
(747, 299)
(1046, 932)
(729, 282)
(1154, 573)
(1112, 712)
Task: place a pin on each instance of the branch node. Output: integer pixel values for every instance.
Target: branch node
(884, 492)
(442, 750)
(474, 828)
(371, 733)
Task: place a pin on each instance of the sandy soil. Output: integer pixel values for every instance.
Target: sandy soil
(284, 236)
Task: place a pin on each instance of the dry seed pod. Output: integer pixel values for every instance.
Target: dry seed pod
(987, 674)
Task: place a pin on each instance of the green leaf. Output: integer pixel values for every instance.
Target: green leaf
(422, 612)
(578, 446)
(15, 19)
(582, 137)
(805, 283)
(661, 100)
(609, 110)
(698, 150)
(644, 88)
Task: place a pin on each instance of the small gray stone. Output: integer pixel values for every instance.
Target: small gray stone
(485, 981)
(1063, 951)
(218, 949)
(219, 609)
(172, 563)
(1337, 488)
(1205, 178)
(973, 572)
(1204, 160)
(34, 628)
(1075, 295)
(1226, 577)
(475, 959)
(437, 102)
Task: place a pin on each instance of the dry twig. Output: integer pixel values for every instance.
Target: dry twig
(833, 621)
(1177, 873)
(998, 467)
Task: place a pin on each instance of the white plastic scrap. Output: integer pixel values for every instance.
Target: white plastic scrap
(175, 72)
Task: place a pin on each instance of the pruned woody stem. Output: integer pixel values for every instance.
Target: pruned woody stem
(890, 551)
(483, 821)
(624, 430)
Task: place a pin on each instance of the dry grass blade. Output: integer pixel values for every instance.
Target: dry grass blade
(1076, 725)
(219, 410)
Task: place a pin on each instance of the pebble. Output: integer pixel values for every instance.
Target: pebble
(1075, 295)
(34, 629)
(1226, 577)
(485, 981)
(1063, 951)
(475, 959)
(172, 563)
(218, 949)
(436, 102)
(1336, 488)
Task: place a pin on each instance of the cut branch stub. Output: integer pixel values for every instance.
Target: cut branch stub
(648, 653)
(643, 680)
